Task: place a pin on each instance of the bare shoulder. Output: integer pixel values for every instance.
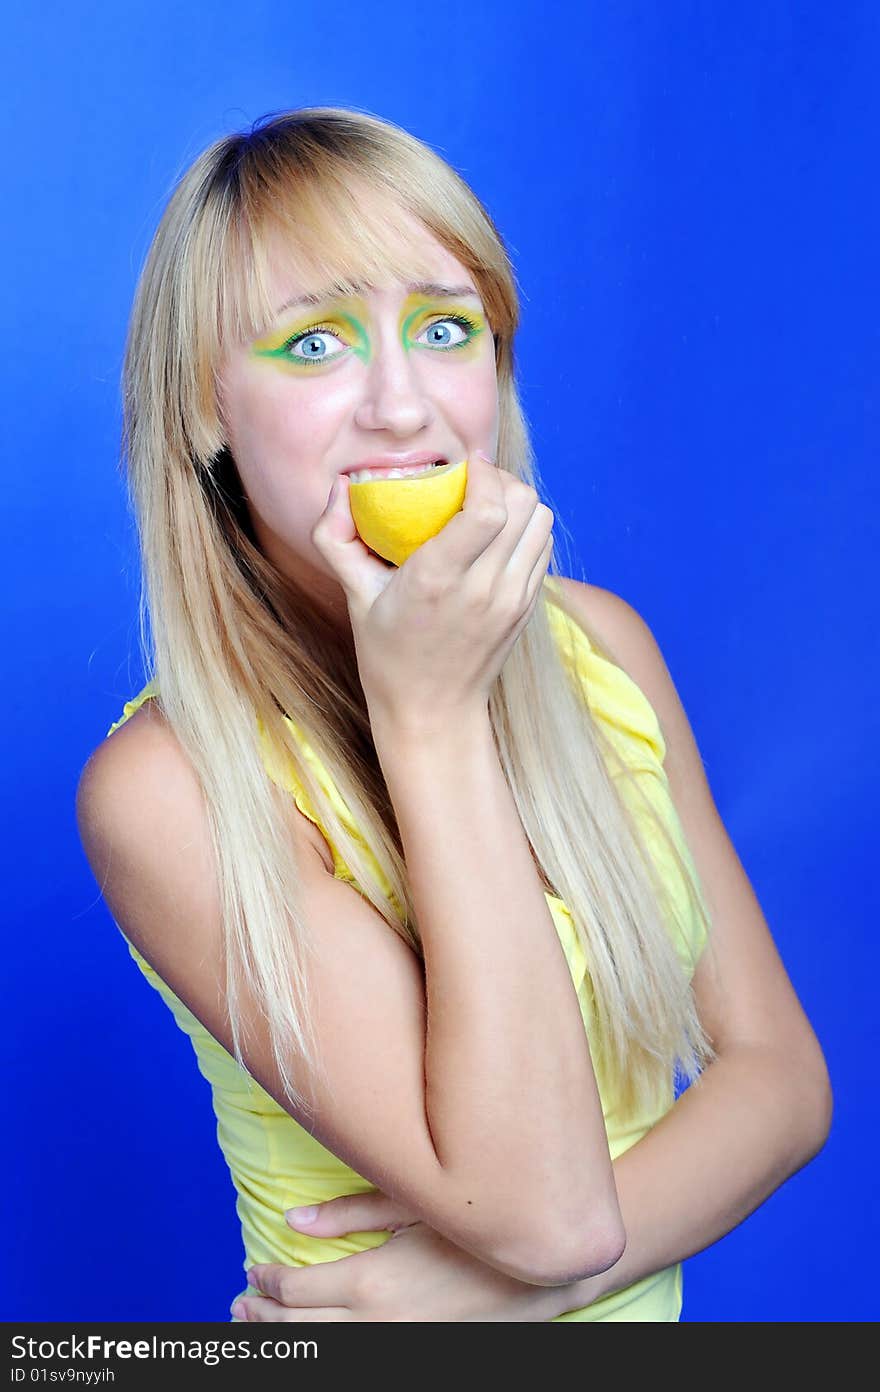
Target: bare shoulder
(143, 763)
(141, 756)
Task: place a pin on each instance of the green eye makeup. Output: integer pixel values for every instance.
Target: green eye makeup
(296, 348)
(424, 326)
(425, 320)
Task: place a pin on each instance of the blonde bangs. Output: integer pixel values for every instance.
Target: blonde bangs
(333, 239)
(339, 223)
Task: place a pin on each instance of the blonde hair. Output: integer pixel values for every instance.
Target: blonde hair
(234, 647)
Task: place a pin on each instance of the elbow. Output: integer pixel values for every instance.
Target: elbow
(807, 1108)
(574, 1257)
(814, 1102)
(824, 1115)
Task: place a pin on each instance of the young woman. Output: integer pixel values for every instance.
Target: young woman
(422, 858)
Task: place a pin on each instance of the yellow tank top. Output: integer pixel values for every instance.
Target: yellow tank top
(275, 1164)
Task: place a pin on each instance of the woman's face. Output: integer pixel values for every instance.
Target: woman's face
(387, 372)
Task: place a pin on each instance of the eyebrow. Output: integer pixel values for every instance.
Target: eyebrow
(423, 287)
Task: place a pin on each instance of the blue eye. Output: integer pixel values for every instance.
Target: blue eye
(462, 321)
(311, 337)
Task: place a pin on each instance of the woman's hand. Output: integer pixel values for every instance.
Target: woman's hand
(432, 635)
(416, 1276)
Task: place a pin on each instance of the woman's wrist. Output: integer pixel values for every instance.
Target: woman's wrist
(428, 733)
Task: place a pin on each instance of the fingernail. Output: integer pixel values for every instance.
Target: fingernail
(485, 456)
(307, 1214)
(239, 1310)
(333, 491)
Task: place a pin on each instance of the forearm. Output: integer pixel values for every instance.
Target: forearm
(753, 1119)
(511, 1098)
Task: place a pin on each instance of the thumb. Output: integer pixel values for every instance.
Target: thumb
(362, 574)
(350, 1213)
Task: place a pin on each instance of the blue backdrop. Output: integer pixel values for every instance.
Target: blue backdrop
(689, 192)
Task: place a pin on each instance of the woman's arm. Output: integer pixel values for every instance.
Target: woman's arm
(454, 1110)
(761, 1110)
(511, 1096)
(753, 1119)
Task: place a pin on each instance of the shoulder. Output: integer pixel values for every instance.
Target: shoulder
(632, 646)
(140, 747)
(132, 780)
(619, 627)
(140, 781)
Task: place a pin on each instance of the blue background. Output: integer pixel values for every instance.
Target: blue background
(689, 193)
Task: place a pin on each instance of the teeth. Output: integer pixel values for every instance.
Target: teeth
(410, 471)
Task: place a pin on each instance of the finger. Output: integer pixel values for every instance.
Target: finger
(351, 1213)
(535, 541)
(260, 1310)
(473, 528)
(509, 563)
(323, 1283)
(362, 574)
(524, 538)
(536, 581)
(539, 572)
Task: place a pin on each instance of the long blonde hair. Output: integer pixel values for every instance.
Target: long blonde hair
(237, 651)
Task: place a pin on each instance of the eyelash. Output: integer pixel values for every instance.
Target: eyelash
(463, 320)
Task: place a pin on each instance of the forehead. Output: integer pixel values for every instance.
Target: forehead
(413, 253)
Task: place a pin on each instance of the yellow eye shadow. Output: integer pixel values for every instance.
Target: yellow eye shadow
(418, 309)
(350, 329)
(344, 319)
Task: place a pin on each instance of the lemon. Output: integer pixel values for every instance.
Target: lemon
(395, 516)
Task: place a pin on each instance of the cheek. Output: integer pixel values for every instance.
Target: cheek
(276, 433)
(473, 400)
(288, 489)
(280, 403)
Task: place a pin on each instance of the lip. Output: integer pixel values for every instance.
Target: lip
(395, 461)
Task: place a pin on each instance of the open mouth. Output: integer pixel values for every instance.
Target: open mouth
(407, 471)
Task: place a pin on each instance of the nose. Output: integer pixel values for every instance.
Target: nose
(394, 393)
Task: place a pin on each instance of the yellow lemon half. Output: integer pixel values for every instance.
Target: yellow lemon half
(395, 516)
